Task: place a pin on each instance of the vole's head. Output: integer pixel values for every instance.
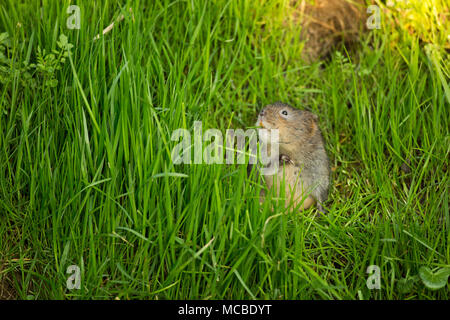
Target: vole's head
(293, 125)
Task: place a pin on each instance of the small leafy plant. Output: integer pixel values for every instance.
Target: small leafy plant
(434, 280)
(48, 63)
(42, 73)
(9, 68)
(30, 74)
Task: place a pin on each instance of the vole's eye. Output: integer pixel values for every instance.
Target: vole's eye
(284, 113)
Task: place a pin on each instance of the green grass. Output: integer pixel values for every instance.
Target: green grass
(85, 165)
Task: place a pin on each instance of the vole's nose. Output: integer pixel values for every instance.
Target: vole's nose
(262, 113)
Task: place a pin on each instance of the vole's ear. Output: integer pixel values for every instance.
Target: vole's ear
(312, 123)
(312, 127)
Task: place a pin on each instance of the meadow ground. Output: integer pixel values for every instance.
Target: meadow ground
(86, 176)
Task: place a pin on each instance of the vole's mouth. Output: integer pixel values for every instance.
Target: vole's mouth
(261, 123)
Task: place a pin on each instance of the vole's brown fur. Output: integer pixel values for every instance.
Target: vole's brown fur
(304, 165)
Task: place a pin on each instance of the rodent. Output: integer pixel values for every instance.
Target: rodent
(303, 160)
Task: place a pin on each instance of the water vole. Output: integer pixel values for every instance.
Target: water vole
(304, 165)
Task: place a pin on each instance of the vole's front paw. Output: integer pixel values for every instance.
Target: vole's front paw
(321, 210)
